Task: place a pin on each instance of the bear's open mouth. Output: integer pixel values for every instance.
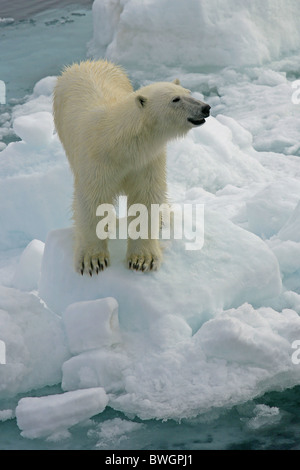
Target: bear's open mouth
(197, 122)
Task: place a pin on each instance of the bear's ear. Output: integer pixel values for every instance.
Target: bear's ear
(176, 81)
(141, 101)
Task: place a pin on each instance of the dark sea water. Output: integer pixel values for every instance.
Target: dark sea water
(38, 38)
(43, 36)
(23, 9)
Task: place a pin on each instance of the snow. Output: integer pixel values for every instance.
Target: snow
(213, 163)
(269, 209)
(206, 288)
(214, 327)
(291, 229)
(33, 167)
(114, 431)
(91, 325)
(208, 33)
(51, 415)
(4, 21)
(35, 129)
(170, 373)
(6, 414)
(33, 336)
(286, 247)
(27, 274)
(264, 417)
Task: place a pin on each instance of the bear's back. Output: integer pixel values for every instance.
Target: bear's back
(82, 88)
(91, 84)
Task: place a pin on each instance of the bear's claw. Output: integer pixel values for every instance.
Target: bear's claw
(144, 264)
(93, 264)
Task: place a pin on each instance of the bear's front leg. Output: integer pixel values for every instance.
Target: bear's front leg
(91, 258)
(144, 255)
(147, 187)
(91, 254)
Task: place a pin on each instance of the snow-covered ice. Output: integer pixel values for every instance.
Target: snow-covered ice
(52, 415)
(34, 339)
(91, 325)
(35, 129)
(31, 173)
(27, 274)
(214, 327)
(233, 267)
(196, 33)
(265, 416)
(114, 430)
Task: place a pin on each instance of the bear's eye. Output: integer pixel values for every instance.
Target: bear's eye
(175, 100)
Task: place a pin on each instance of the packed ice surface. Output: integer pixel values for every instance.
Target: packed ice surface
(214, 327)
(91, 324)
(206, 288)
(27, 274)
(35, 129)
(33, 167)
(52, 415)
(34, 341)
(114, 430)
(195, 33)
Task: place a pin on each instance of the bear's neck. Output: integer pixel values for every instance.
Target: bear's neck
(129, 134)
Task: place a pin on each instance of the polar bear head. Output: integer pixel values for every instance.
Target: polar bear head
(168, 108)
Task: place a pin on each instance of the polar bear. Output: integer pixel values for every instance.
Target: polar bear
(115, 140)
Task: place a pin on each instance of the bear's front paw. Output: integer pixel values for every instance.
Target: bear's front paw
(91, 263)
(144, 262)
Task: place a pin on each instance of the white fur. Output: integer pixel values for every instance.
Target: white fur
(115, 142)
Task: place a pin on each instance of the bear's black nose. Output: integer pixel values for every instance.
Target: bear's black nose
(205, 110)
